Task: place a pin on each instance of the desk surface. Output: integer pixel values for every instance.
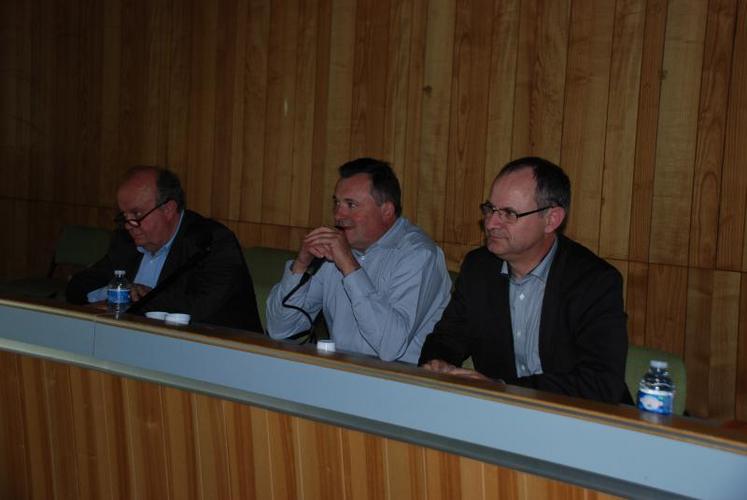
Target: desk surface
(551, 435)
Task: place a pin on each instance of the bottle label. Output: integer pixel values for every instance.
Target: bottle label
(661, 402)
(118, 296)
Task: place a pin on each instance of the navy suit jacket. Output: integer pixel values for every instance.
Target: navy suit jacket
(215, 289)
(583, 338)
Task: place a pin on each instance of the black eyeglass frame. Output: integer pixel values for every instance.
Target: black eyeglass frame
(507, 214)
(120, 220)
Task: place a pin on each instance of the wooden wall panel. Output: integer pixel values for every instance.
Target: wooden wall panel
(255, 96)
(586, 96)
(620, 130)
(646, 139)
(714, 97)
(540, 78)
(665, 308)
(255, 104)
(503, 62)
(439, 58)
(469, 86)
(13, 456)
(732, 247)
(202, 106)
(675, 151)
(741, 390)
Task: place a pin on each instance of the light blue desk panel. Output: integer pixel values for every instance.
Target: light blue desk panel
(591, 453)
(44, 327)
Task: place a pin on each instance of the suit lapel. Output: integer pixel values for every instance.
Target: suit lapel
(551, 303)
(179, 248)
(498, 317)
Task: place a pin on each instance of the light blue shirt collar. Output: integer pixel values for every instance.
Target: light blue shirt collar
(390, 239)
(542, 269)
(166, 247)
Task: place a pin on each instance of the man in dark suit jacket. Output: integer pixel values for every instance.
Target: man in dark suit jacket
(179, 260)
(532, 307)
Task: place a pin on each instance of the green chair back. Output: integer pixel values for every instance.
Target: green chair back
(81, 246)
(77, 248)
(638, 362)
(266, 266)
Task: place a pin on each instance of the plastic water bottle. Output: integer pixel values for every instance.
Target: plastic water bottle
(656, 389)
(118, 292)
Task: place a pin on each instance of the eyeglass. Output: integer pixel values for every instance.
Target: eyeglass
(507, 215)
(120, 220)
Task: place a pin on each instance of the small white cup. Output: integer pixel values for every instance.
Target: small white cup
(325, 346)
(177, 319)
(161, 315)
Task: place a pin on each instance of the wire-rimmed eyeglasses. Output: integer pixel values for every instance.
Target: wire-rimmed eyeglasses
(507, 215)
(120, 220)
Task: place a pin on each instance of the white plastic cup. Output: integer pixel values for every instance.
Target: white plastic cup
(325, 346)
(177, 319)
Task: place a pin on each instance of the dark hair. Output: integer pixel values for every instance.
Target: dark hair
(168, 186)
(553, 185)
(384, 184)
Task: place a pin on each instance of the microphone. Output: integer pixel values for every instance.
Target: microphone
(312, 269)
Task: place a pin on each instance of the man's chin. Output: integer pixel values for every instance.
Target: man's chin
(496, 246)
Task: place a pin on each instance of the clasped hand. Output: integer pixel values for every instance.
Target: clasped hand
(326, 243)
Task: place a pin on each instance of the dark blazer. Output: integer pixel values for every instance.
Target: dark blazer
(217, 290)
(583, 338)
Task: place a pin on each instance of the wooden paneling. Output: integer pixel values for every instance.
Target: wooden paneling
(184, 445)
(256, 103)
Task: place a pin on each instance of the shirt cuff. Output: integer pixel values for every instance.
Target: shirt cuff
(96, 295)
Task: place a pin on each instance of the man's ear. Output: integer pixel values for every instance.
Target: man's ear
(387, 210)
(555, 217)
(171, 208)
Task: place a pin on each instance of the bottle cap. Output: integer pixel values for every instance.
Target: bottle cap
(660, 365)
(325, 346)
(119, 273)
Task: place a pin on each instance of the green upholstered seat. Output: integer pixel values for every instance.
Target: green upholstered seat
(638, 362)
(266, 266)
(77, 248)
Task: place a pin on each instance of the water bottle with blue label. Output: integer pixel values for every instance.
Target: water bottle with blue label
(656, 389)
(118, 292)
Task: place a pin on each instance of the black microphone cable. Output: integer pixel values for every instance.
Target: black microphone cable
(310, 271)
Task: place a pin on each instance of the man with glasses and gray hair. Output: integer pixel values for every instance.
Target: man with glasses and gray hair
(532, 307)
(178, 260)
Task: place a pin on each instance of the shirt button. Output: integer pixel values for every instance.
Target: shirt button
(518, 334)
(521, 297)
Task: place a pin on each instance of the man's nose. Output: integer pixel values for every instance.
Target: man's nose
(493, 221)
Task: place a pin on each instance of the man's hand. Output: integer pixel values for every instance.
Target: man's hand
(138, 291)
(438, 366)
(441, 366)
(326, 243)
(471, 374)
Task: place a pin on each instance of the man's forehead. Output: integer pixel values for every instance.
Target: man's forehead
(137, 192)
(517, 184)
(353, 188)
